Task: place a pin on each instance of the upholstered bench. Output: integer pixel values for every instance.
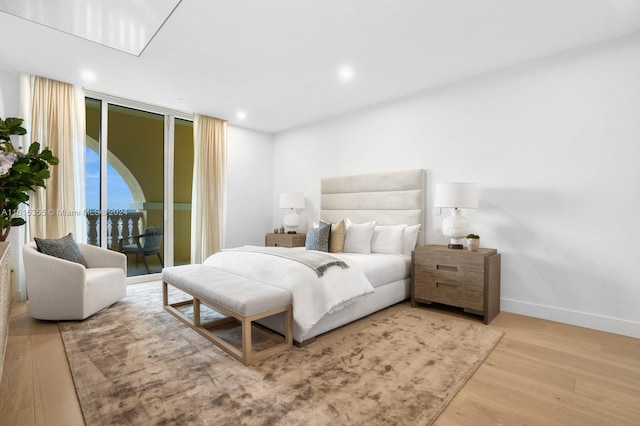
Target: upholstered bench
(236, 297)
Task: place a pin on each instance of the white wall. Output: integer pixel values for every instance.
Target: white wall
(249, 186)
(9, 94)
(554, 147)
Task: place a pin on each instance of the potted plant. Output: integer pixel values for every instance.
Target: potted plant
(473, 242)
(20, 173)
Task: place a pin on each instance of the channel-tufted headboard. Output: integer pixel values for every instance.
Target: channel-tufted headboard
(389, 198)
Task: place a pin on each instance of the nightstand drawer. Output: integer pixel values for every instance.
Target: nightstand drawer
(452, 259)
(285, 240)
(449, 294)
(472, 281)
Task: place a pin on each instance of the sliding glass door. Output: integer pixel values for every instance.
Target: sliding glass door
(182, 186)
(92, 170)
(135, 187)
(130, 181)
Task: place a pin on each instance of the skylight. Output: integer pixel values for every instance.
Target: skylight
(120, 24)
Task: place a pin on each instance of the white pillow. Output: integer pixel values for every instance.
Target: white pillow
(387, 239)
(410, 238)
(358, 237)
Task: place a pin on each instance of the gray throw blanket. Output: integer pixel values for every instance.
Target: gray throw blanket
(316, 260)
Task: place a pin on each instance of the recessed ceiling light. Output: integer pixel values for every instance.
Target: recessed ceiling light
(345, 73)
(88, 75)
(241, 115)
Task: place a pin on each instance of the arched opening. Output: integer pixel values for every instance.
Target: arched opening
(126, 191)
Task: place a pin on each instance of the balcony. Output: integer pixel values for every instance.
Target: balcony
(121, 226)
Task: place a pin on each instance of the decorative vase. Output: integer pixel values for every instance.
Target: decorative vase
(473, 244)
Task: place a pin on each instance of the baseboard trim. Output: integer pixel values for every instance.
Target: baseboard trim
(567, 316)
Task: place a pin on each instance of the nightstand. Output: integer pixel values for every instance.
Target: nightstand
(285, 240)
(462, 278)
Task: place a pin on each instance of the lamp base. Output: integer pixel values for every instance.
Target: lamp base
(456, 227)
(291, 221)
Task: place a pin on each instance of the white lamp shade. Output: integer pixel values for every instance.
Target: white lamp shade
(292, 200)
(456, 195)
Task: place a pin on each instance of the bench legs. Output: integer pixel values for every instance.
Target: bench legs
(246, 355)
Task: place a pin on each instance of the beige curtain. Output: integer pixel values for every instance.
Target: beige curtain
(208, 203)
(58, 122)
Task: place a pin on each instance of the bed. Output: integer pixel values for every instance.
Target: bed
(391, 198)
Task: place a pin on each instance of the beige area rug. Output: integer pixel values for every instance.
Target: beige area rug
(134, 363)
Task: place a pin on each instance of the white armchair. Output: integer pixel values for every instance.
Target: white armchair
(58, 289)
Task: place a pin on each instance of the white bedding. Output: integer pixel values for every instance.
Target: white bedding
(313, 296)
(380, 269)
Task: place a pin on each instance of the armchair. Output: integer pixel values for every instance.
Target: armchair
(58, 289)
(145, 244)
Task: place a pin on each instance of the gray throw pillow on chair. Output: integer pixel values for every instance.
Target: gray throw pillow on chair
(64, 248)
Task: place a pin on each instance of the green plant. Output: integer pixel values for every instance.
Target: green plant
(20, 173)
(474, 236)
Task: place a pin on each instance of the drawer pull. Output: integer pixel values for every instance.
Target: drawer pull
(446, 286)
(447, 268)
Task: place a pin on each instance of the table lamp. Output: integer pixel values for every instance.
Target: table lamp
(291, 201)
(456, 195)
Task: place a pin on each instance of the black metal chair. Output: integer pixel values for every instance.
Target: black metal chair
(145, 244)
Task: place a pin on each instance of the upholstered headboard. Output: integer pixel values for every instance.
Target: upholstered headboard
(389, 198)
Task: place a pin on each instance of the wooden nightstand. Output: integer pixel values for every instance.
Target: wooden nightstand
(285, 240)
(462, 278)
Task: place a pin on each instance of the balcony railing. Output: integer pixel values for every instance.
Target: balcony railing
(119, 227)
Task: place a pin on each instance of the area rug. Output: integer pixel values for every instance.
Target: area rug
(136, 364)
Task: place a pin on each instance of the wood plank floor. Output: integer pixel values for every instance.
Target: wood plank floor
(37, 388)
(541, 373)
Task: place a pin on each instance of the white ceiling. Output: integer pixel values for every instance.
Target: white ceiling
(278, 60)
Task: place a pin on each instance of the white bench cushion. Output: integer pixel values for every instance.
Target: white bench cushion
(241, 295)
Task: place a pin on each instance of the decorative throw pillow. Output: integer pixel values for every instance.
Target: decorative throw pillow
(409, 238)
(322, 222)
(64, 248)
(387, 239)
(358, 237)
(318, 238)
(336, 241)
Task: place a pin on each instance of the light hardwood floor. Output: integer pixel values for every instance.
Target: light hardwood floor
(541, 373)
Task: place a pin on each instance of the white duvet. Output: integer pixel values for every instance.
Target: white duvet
(313, 296)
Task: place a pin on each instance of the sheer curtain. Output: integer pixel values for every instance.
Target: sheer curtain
(57, 120)
(208, 203)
